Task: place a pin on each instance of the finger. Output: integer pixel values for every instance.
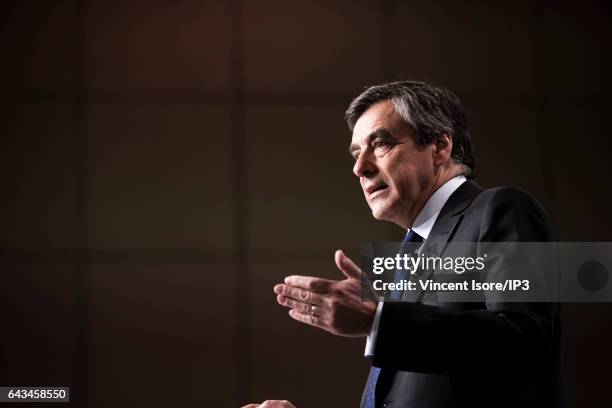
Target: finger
(299, 294)
(311, 283)
(269, 404)
(306, 318)
(346, 265)
(299, 306)
(251, 406)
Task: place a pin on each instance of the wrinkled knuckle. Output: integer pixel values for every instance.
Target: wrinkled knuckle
(304, 294)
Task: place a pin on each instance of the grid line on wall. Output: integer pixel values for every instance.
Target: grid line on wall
(242, 321)
(534, 99)
(542, 105)
(81, 393)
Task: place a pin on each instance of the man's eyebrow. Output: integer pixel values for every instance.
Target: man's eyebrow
(380, 132)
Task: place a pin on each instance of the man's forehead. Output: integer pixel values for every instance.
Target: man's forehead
(379, 117)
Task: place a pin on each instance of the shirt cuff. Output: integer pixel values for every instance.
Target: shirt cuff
(371, 341)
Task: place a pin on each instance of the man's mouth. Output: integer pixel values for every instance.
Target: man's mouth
(375, 189)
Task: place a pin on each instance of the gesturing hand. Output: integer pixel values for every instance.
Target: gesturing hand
(335, 306)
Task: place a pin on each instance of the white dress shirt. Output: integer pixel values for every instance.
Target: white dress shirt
(422, 225)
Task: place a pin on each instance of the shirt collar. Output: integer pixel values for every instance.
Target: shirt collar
(427, 216)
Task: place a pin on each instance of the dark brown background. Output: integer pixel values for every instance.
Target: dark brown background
(164, 163)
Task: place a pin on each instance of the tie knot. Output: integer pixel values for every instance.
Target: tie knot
(412, 236)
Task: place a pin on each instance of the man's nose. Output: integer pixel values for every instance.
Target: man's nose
(364, 166)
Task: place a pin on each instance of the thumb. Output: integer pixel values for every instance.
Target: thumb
(347, 266)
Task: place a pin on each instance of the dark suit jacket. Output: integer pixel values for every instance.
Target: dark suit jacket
(466, 354)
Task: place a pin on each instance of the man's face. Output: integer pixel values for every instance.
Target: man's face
(397, 176)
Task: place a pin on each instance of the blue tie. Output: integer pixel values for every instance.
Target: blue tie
(370, 400)
(400, 274)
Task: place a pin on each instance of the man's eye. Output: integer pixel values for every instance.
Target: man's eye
(356, 156)
(379, 143)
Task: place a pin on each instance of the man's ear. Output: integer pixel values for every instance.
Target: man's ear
(443, 147)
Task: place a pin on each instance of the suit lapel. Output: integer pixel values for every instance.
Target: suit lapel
(443, 229)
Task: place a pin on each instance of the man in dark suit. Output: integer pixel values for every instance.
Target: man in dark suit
(413, 157)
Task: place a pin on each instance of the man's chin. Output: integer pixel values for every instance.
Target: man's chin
(379, 214)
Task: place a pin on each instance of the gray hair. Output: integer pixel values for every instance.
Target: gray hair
(429, 110)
